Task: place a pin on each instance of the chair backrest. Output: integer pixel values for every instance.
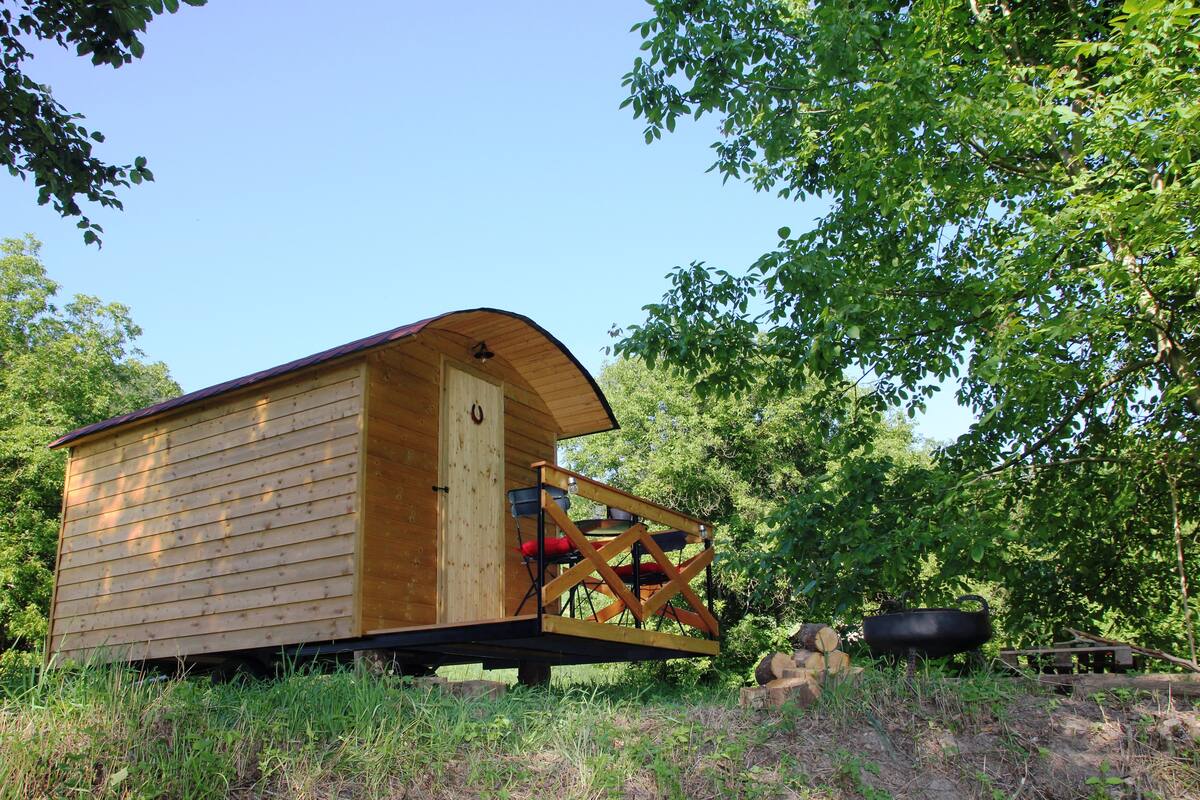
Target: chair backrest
(669, 541)
(524, 503)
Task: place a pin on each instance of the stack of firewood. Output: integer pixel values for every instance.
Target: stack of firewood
(798, 677)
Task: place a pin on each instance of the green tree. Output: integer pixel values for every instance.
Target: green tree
(41, 138)
(1013, 193)
(808, 491)
(60, 368)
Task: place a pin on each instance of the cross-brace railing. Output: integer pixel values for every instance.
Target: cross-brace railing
(595, 569)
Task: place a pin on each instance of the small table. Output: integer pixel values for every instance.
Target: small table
(603, 526)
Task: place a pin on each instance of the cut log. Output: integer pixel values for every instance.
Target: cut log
(818, 637)
(809, 659)
(814, 661)
(839, 664)
(430, 682)
(837, 661)
(850, 675)
(753, 697)
(827, 640)
(477, 688)
(772, 667)
(801, 691)
(806, 635)
(822, 677)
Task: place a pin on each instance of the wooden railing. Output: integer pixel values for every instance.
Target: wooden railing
(595, 570)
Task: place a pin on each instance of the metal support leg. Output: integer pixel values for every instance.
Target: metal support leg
(708, 579)
(541, 541)
(637, 578)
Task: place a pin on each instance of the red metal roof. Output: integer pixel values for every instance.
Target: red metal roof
(357, 346)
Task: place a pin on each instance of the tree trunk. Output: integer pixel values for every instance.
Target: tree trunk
(1177, 528)
(1170, 352)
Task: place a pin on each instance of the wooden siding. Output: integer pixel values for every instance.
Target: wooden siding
(225, 526)
(563, 389)
(399, 557)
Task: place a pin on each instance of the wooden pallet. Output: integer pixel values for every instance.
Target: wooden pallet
(1080, 656)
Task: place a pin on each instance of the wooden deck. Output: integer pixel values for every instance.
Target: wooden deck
(506, 642)
(621, 630)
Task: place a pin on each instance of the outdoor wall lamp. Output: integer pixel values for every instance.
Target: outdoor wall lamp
(482, 354)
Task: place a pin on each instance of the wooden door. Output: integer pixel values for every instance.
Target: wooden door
(471, 535)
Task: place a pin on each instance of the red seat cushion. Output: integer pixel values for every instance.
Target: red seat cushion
(649, 573)
(555, 546)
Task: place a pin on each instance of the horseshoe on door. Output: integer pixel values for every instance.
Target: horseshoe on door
(476, 413)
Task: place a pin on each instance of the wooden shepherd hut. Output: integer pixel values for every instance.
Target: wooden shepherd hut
(398, 493)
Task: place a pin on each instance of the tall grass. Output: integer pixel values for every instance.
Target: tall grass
(110, 731)
(595, 733)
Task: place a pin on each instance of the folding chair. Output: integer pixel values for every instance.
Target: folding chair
(525, 503)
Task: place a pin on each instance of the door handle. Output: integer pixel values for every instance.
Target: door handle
(445, 489)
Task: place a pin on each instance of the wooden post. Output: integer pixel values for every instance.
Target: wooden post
(533, 673)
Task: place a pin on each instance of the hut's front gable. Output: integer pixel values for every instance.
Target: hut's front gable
(223, 527)
(406, 581)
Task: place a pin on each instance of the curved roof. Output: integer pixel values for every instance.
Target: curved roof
(570, 392)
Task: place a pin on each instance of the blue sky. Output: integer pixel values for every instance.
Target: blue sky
(326, 171)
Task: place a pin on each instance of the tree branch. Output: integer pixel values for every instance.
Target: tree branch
(1058, 427)
(1005, 164)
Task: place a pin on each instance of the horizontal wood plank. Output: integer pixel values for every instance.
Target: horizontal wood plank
(271, 596)
(303, 512)
(217, 407)
(267, 636)
(347, 392)
(246, 619)
(205, 551)
(244, 437)
(124, 477)
(274, 464)
(231, 522)
(222, 584)
(568, 626)
(254, 504)
(611, 496)
(226, 565)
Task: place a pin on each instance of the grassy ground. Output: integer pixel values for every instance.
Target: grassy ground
(105, 733)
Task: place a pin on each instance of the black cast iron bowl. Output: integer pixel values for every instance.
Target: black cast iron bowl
(930, 632)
